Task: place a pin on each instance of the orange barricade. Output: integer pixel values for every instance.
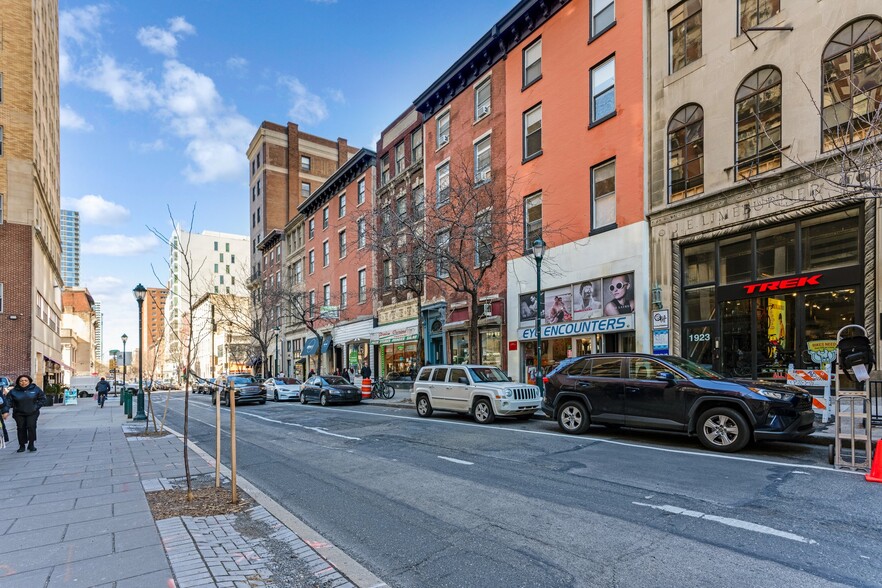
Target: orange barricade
(366, 388)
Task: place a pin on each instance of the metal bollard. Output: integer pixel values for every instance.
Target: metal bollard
(128, 404)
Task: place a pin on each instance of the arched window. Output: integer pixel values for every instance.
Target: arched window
(686, 153)
(758, 123)
(852, 70)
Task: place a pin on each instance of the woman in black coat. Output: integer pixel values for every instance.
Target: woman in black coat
(25, 400)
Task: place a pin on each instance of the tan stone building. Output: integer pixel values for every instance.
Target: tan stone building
(78, 333)
(30, 241)
(756, 258)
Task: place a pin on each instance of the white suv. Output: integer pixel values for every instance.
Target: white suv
(483, 391)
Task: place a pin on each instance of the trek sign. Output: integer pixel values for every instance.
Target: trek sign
(781, 285)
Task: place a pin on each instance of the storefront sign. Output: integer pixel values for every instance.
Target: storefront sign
(512, 345)
(661, 342)
(601, 325)
(788, 284)
(661, 319)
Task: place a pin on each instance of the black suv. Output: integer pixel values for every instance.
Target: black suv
(247, 389)
(672, 393)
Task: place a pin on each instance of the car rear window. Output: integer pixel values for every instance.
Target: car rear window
(439, 374)
(456, 374)
(606, 368)
(424, 374)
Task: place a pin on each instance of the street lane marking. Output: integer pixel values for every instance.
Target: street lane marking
(454, 460)
(600, 440)
(321, 430)
(730, 522)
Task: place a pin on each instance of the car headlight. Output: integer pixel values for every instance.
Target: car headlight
(335, 392)
(773, 394)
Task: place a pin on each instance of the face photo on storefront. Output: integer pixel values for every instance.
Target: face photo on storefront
(755, 303)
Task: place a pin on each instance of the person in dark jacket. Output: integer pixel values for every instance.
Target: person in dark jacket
(366, 371)
(25, 400)
(103, 387)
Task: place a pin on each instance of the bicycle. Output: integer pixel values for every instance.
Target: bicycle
(381, 389)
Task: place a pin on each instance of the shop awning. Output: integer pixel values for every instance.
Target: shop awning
(326, 344)
(55, 361)
(311, 347)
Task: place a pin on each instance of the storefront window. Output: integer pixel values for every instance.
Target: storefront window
(737, 339)
(589, 345)
(699, 264)
(491, 347)
(775, 335)
(553, 352)
(735, 260)
(776, 252)
(827, 243)
(398, 358)
(699, 345)
(459, 348)
(825, 314)
(700, 304)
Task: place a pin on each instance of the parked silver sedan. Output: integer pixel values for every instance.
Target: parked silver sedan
(282, 388)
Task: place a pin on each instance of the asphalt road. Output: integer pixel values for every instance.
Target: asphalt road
(443, 502)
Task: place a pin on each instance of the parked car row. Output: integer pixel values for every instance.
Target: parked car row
(613, 390)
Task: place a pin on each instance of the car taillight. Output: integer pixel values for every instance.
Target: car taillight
(544, 379)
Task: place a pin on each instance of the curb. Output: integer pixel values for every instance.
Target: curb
(354, 571)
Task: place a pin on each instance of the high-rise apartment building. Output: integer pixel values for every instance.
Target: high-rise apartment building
(70, 248)
(99, 332)
(153, 319)
(30, 266)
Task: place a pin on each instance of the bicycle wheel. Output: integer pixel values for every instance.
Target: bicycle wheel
(388, 392)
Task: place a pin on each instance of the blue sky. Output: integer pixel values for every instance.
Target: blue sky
(159, 100)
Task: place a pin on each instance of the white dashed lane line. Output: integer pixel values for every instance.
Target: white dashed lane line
(454, 460)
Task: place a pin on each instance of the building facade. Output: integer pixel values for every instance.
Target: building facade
(222, 346)
(574, 120)
(70, 248)
(758, 256)
(99, 332)
(153, 320)
(337, 280)
(78, 334)
(30, 266)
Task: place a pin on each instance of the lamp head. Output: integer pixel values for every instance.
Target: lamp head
(538, 249)
(124, 338)
(140, 293)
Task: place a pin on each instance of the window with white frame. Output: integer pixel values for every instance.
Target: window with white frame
(603, 90)
(532, 219)
(419, 202)
(311, 301)
(482, 99)
(362, 285)
(482, 160)
(387, 273)
(362, 233)
(533, 62)
(312, 261)
(341, 237)
(326, 295)
(416, 145)
(326, 215)
(603, 15)
(603, 195)
(361, 191)
(343, 293)
(305, 163)
(399, 158)
(385, 175)
(298, 272)
(443, 127)
(442, 246)
(442, 182)
(533, 132)
(326, 253)
(341, 205)
(305, 189)
(483, 239)
(401, 209)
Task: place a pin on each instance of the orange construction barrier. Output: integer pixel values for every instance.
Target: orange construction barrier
(875, 474)
(366, 388)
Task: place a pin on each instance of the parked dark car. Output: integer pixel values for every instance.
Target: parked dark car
(246, 388)
(675, 394)
(329, 390)
(205, 386)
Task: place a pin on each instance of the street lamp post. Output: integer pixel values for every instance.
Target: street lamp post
(276, 330)
(538, 254)
(140, 292)
(127, 397)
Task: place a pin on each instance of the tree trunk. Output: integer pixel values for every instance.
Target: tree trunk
(421, 352)
(474, 355)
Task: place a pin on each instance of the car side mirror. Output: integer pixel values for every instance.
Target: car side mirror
(665, 377)
(463, 381)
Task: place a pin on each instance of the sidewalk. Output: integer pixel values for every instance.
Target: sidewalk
(76, 514)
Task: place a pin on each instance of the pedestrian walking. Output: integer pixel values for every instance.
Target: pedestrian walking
(103, 387)
(25, 400)
(345, 375)
(4, 414)
(311, 372)
(365, 371)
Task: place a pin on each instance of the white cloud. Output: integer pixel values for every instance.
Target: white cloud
(165, 41)
(306, 107)
(149, 147)
(96, 210)
(129, 89)
(77, 28)
(121, 245)
(336, 95)
(237, 64)
(71, 120)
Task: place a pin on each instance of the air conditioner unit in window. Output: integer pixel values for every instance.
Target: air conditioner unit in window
(399, 282)
(484, 174)
(444, 139)
(488, 309)
(484, 110)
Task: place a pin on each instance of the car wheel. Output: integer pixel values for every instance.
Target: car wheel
(323, 399)
(303, 399)
(723, 429)
(423, 406)
(573, 417)
(275, 396)
(483, 412)
(263, 401)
